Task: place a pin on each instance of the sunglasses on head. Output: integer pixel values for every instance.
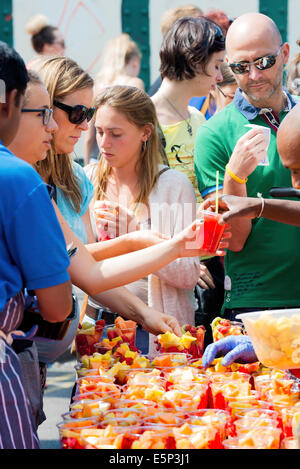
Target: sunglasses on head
(262, 63)
(77, 114)
(46, 113)
(219, 36)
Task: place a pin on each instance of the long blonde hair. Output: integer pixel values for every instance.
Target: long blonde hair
(62, 76)
(139, 109)
(119, 51)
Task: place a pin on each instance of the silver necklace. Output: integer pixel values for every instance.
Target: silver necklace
(187, 121)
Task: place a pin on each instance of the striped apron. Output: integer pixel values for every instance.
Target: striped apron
(16, 428)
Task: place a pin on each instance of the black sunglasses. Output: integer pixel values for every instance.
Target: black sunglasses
(262, 63)
(46, 112)
(77, 114)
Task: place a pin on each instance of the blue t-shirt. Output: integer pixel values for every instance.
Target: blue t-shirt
(32, 246)
(73, 218)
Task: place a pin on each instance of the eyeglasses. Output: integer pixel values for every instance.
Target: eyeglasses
(231, 96)
(46, 112)
(77, 114)
(262, 63)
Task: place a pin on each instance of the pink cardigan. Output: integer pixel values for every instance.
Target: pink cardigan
(171, 289)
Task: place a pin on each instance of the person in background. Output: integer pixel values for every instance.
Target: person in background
(46, 40)
(293, 76)
(191, 55)
(167, 20)
(219, 17)
(254, 277)
(121, 66)
(33, 255)
(219, 96)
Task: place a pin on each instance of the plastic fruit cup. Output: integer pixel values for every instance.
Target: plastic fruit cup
(213, 231)
(121, 417)
(154, 437)
(257, 412)
(289, 443)
(164, 419)
(90, 407)
(69, 431)
(267, 436)
(217, 418)
(241, 443)
(110, 397)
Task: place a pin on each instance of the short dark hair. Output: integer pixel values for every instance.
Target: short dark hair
(12, 70)
(189, 43)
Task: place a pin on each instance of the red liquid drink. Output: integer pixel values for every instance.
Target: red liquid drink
(213, 232)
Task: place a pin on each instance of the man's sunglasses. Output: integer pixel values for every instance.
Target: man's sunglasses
(77, 114)
(262, 63)
(46, 112)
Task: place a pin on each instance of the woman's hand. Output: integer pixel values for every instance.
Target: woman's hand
(156, 322)
(144, 238)
(114, 219)
(190, 241)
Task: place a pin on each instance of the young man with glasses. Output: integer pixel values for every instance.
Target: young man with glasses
(259, 274)
(33, 255)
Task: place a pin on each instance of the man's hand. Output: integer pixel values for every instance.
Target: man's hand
(232, 207)
(250, 149)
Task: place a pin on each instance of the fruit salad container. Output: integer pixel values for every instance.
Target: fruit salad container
(154, 438)
(70, 429)
(191, 341)
(275, 336)
(197, 437)
(88, 408)
(224, 327)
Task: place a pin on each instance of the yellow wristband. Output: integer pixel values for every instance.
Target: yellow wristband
(234, 177)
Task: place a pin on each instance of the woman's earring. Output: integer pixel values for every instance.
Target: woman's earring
(144, 146)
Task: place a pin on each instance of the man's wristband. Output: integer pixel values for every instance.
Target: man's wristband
(234, 177)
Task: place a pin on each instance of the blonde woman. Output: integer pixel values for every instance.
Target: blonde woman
(71, 94)
(121, 66)
(129, 175)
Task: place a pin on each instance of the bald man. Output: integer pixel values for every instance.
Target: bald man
(283, 211)
(259, 268)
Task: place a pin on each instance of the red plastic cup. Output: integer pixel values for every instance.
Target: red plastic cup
(212, 230)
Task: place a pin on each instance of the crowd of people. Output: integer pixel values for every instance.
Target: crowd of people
(150, 165)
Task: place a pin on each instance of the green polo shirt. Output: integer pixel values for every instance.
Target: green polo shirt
(264, 273)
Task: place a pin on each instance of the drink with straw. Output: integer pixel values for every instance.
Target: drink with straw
(213, 231)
